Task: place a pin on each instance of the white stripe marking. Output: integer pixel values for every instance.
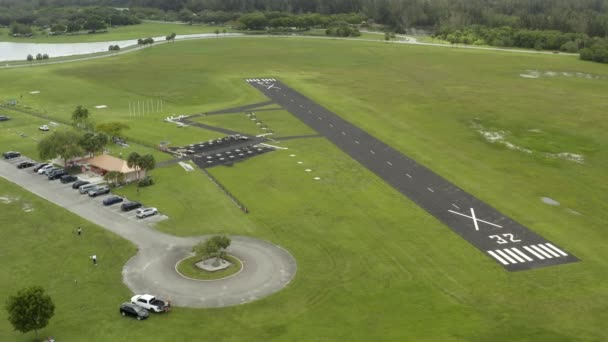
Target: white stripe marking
(372, 152)
(408, 175)
(498, 258)
(431, 190)
(455, 206)
(548, 250)
(521, 253)
(320, 118)
(556, 249)
(389, 163)
(541, 252)
(330, 125)
(475, 219)
(534, 253)
(343, 133)
(505, 256)
(514, 255)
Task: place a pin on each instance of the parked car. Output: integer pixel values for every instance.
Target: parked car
(112, 200)
(25, 164)
(57, 174)
(79, 183)
(44, 128)
(151, 303)
(145, 212)
(39, 166)
(68, 179)
(100, 190)
(130, 206)
(11, 155)
(130, 309)
(45, 168)
(4, 118)
(51, 170)
(85, 188)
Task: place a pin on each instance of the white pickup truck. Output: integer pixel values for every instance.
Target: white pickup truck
(151, 303)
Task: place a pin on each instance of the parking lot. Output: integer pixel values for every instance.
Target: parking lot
(66, 191)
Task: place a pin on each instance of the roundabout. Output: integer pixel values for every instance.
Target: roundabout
(189, 268)
(266, 269)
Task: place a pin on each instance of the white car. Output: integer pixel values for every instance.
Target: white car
(45, 168)
(149, 302)
(145, 212)
(44, 128)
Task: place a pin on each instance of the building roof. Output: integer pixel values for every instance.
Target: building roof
(109, 163)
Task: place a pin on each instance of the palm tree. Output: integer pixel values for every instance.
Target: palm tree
(134, 162)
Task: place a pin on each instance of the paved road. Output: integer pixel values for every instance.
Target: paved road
(267, 267)
(499, 237)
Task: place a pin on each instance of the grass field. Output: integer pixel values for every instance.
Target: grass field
(371, 264)
(143, 30)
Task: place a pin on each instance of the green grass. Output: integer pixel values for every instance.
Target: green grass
(188, 268)
(371, 264)
(143, 30)
(280, 122)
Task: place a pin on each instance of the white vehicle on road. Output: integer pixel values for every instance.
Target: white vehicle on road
(149, 302)
(145, 212)
(44, 128)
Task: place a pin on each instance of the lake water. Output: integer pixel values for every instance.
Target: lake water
(10, 51)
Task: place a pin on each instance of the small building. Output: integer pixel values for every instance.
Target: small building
(105, 163)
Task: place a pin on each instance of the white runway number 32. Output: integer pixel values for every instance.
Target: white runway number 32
(504, 238)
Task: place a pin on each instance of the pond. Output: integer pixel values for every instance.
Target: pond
(10, 51)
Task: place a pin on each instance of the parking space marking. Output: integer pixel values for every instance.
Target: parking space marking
(389, 163)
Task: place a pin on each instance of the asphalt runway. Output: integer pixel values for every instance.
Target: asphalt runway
(499, 237)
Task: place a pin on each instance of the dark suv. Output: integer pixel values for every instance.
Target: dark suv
(112, 200)
(79, 183)
(68, 179)
(128, 309)
(130, 206)
(11, 155)
(57, 174)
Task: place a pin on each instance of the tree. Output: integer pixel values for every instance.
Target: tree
(170, 37)
(92, 143)
(113, 129)
(80, 116)
(387, 35)
(30, 309)
(147, 162)
(30, 58)
(45, 56)
(73, 26)
(39, 57)
(114, 177)
(134, 162)
(213, 247)
(254, 21)
(58, 28)
(217, 32)
(64, 144)
(19, 29)
(94, 24)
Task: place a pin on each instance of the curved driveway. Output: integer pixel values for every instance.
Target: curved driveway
(267, 267)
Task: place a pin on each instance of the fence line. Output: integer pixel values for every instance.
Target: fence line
(225, 191)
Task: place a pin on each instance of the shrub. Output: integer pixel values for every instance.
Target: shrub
(147, 181)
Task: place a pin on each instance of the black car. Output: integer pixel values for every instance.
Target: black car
(79, 183)
(112, 200)
(100, 190)
(11, 155)
(25, 164)
(4, 118)
(130, 206)
(57, 174)
(128, 309)
(39, 166)
(68, 179)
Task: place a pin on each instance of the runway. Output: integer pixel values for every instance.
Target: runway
(499, 237)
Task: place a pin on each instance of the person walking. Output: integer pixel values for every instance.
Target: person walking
(94, 258)
(79, 231)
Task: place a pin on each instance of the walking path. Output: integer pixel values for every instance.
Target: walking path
(267, 268)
